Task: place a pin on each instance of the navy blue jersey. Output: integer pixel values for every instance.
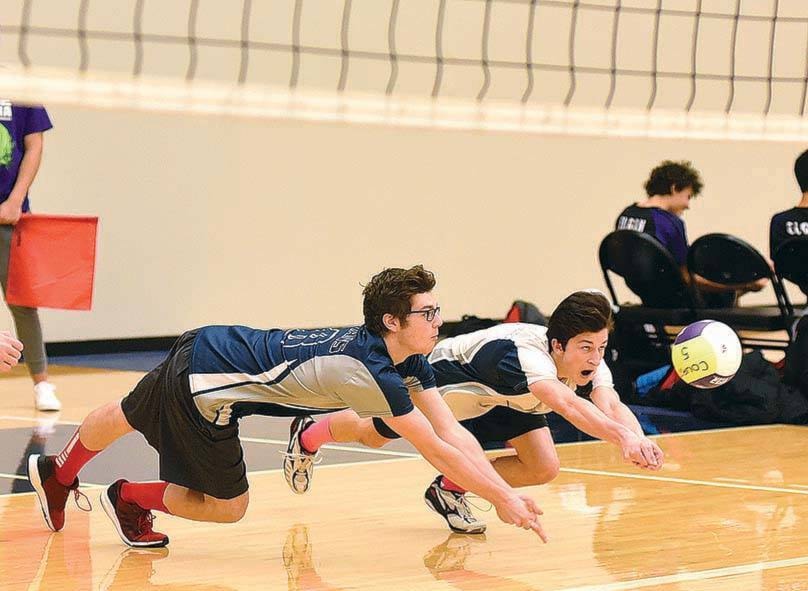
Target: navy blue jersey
(237, 371)
(496, 367)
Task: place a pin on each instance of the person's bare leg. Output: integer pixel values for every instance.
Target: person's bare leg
(346, 426)
(535, 462)
(103, 426)
(198, 506)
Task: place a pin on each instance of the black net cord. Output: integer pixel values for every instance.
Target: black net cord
(193, 56)
(25, 27)
(81, 35)
(571, 51)
(296, 17)
(439, 49)
(693, 57)
(531, 23)
(391, 48)
(137, 38)
(244, 64)
(345, 51)
(655, 57)
(613, 76)
(772, 34)
(733, 47)
(484, 52)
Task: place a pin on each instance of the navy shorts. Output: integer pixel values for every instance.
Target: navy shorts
(498, 425)
(193, 453)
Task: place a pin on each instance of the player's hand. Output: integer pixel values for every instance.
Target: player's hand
(652, 453)
(9, 213)
(518, 511)
(644, 453)
(10, 350)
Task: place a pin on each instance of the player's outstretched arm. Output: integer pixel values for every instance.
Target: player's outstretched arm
(10, 351)
(440, 416)
(608, 401)
(511, 507)
(589, 419)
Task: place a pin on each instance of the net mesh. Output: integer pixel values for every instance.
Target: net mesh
(696, 68)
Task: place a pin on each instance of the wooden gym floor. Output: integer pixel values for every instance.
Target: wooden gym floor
(728, 511)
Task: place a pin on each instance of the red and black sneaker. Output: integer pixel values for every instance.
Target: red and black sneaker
(52, 494)
(133, 523)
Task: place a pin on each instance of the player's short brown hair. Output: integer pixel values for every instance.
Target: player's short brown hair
(389, 292)
(580, 312)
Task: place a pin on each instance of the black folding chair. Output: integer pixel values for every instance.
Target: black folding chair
(791, 262)
(653, 275)
(729, 260)
(649, 271)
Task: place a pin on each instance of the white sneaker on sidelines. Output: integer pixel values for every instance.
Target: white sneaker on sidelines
(45, 397)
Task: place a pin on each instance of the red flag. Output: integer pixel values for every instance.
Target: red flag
(52, 262)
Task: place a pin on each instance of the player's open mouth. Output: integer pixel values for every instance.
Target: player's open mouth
(587, 372)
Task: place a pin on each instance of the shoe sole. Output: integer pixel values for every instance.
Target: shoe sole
(36, 482)
(110, 511)
(479, 530)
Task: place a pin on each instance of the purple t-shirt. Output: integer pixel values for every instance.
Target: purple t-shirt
(663, 225)
(17, 122)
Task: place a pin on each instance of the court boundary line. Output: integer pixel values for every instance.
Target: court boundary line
(673, 479)
(701, 575)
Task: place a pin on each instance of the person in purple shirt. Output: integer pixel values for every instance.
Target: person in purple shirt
(21, 131)
(670, 187)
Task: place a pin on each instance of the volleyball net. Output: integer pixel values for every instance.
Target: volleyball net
(668, 68)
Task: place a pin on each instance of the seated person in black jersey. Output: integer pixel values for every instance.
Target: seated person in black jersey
(792, 223)
(670, 187)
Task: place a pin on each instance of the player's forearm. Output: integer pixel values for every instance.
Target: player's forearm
(454, 464)
(589, 419)
(29, 165)
(623, 415)
(461, 439)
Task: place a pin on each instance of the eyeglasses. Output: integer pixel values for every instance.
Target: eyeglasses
(429, 314)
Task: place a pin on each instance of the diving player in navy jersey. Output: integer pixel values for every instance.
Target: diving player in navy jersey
(501, 382)
(188, 410)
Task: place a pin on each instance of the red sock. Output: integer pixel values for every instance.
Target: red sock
(146, 495)
(72, 460)
(447, 484)
(316, 435)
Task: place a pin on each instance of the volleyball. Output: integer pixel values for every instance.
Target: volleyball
(706, 354)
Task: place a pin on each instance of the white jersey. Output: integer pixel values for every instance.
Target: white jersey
(496, 366)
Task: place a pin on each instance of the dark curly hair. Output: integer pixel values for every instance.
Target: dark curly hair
(582, 311)
(389, 292)
(675, 175)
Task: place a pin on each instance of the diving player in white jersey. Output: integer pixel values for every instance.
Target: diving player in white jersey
(501, 382)
(188, 410)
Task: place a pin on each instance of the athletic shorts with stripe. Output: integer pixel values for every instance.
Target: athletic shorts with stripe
(193, 452)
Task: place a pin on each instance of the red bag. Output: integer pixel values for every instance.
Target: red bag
(52, 262)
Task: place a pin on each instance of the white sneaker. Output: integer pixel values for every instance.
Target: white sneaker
(45, 397)
(454, 508)
(298, 464)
